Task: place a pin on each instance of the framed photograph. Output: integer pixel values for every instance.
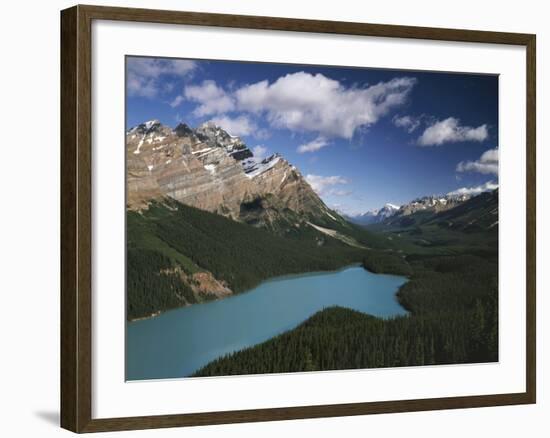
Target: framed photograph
(268, 219)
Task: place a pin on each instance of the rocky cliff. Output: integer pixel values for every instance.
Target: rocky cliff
(209, 169)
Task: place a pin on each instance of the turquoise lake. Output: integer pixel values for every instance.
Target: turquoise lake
(179, 342)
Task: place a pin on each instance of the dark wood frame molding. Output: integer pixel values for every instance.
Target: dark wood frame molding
(76, 174)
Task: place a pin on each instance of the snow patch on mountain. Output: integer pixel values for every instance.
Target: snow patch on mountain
(253, 168)
(151, 123)
(210, 167)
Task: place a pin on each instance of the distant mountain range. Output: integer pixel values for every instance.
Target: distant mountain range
(374, 216)
(391, 213)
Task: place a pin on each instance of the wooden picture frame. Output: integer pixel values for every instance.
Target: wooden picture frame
(76, 217)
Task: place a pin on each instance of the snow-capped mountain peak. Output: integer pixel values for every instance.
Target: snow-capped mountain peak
(146, 127)
(212, 170)
(215, 136)
(375, 216)
(150, 123)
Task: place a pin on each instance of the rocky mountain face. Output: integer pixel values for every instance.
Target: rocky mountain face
(209, 169)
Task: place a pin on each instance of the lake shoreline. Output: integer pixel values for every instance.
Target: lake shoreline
(276, 278)
(182, 340)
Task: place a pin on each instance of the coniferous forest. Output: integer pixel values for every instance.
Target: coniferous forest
(451, 294)
(453, 319)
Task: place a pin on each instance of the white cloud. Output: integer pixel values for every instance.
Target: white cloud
(177, 101)
(314, 103)
(314, 145)
(260, 152)
(450, 131)
(237, 126)
(486, 187)
(323, 185)
(143, 74)
(408, 123)
(139, 86)
(303, 102)
(212, 99)
(487, 163)
(338, 192)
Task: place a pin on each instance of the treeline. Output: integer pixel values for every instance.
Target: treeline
(453, 302)
(171, 234)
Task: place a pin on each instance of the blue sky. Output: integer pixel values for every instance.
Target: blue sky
(361, 137)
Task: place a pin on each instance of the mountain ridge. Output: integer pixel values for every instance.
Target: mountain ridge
(391, 213)
(210, 169)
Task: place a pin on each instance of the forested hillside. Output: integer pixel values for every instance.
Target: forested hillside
(170, 241)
